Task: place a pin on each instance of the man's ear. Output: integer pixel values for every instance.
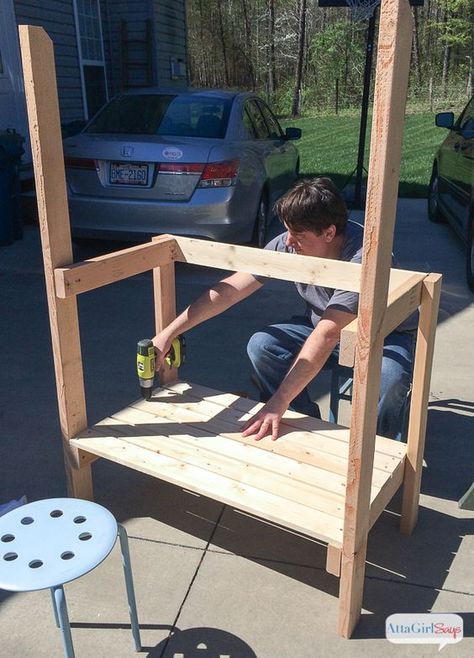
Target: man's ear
(330, 233)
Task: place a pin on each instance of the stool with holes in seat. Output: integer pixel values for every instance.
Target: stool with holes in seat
(51, 542)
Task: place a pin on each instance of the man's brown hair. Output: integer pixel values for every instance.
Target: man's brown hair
(312, 205)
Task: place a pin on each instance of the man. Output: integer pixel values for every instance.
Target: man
(286, 357)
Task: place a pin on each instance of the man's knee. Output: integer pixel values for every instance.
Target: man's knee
(268, 348)
(395, 384)
(257, 343)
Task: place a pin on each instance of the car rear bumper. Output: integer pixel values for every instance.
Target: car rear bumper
(217, 214)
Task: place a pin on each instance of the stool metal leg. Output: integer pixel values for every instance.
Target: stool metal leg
(334, 397)
(132, 606)
(56, 618)
(62, 616)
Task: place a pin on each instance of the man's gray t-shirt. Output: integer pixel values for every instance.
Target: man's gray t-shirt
(317, 298)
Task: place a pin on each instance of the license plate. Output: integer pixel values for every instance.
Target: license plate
(128, 174)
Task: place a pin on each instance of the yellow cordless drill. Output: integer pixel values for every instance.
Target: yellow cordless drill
(146, 362)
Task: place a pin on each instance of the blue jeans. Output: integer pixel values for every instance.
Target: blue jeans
(273, 350)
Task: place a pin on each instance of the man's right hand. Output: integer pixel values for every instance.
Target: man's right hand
(162, 345)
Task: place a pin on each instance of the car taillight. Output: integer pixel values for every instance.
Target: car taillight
(219, 174)
(79, 163)
(180, 168)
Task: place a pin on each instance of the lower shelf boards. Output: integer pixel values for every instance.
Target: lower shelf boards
(190, 435)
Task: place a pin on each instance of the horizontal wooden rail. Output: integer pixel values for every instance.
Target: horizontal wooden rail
(401, 303)
(288, 267)
(102, 270)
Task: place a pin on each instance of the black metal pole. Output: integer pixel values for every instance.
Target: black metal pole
(369, 49)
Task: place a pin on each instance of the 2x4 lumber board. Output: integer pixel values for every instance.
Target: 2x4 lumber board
(190, 439)
(333, 560)
(319, 469)
(164, 295)
(109, 268)
(402, 302)
(177, 416)
(288, 267)
(331, 438)
(242, 496)
(46, 145)
(262, 471)
(393, 62)
(386, 493)
(419, 400)
(289, 478)
(305, 446)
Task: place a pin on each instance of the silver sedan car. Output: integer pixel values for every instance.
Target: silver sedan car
(198, 163)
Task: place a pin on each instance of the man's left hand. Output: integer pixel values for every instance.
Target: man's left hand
(266, 421)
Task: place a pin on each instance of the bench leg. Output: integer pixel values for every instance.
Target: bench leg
(351, 588)
(62, 619)
(127, 568)
(78, 475)
(333, 560)
(419, 401)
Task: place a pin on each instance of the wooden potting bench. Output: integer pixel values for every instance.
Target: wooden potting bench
(323, 480)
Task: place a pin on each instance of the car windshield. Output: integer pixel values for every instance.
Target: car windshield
(159, 114)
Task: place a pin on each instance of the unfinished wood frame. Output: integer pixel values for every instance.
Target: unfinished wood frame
(323, 480)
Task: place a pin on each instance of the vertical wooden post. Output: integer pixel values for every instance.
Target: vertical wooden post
(164, 291)
(46, 145)
(333, 560)
(393, 59)
(419, 401)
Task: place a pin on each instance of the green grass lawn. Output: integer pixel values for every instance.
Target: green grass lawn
(329, 147)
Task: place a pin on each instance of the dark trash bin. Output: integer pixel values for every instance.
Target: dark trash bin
(11, 150)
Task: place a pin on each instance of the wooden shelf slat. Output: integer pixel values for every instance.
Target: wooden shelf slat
(235, 403)
(193, 403)
(298, 481)
(249, 499)
(330, 468)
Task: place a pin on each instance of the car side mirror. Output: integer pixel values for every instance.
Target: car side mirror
(445, 120)
(293, 133)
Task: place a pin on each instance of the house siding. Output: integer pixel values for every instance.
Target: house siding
(170, 39)
(135, 14)
(57, 18)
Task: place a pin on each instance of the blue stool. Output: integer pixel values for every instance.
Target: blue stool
(51, 542)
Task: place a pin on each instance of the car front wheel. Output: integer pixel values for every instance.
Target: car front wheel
(470, 258)
(434, 214)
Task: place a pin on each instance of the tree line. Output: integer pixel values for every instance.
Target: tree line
(306, 58)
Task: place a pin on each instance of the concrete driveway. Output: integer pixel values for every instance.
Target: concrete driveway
(211, 581)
